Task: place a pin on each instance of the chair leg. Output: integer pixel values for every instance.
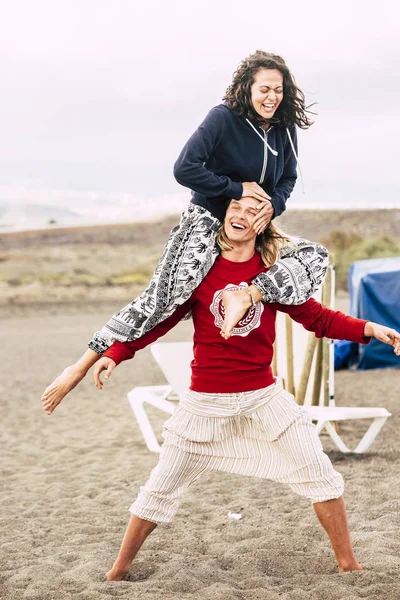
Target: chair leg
(320, 425)
(370, 435)
(144, 423)
(364, 443)
(336, 437)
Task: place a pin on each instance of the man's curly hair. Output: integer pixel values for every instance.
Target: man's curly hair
(292, 109)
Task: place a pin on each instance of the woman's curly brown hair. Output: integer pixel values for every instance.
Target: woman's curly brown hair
(292, 109)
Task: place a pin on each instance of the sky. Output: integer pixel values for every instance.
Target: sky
(98, 97)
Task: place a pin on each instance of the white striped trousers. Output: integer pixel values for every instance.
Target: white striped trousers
(262, 433)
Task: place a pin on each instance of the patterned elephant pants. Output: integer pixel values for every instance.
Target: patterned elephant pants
(188, 256)
(263, 433)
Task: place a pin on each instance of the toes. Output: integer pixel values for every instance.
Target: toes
(48, 393)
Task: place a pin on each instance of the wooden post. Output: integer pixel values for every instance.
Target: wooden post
(326, 301)
(331, 392)
(325, 372)
(289, 354)
(305, 372)
(326, 289)
(317, 375)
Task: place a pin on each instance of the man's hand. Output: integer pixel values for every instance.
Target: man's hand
(383, 334)
(265, 214)
(104, 364)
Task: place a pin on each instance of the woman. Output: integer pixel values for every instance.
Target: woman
(250, 137)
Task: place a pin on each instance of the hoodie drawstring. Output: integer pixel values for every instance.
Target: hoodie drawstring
(297, 160)
(275, 153)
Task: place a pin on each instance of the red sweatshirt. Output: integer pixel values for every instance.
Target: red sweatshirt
(243, 362)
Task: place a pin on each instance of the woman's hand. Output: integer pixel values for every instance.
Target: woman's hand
(104, 364)
(265, 214)
(383, 334)
(253, 190)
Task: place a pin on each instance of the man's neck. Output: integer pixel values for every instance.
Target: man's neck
(239, 253)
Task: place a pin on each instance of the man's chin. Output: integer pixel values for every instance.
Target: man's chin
(235, 236)
(240, 238)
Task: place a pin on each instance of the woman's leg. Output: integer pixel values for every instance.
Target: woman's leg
(296, 276)
(293, 279)
(189, 254)
(67, 381)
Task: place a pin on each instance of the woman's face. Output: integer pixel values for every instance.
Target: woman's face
(267, 92)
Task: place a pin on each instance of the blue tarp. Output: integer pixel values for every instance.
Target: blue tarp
(346, 354)
(374, 287)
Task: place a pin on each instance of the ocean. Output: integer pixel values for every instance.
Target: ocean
(73, 209)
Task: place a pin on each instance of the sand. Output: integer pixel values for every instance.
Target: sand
(68, 481)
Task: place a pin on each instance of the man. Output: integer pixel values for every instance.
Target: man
(236, 417)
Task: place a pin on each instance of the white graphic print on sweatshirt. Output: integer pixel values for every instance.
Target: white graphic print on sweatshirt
(251, 320)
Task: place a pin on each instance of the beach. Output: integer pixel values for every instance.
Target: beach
(109, 265)
(69, 478)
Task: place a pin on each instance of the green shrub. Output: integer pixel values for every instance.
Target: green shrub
(349, 247)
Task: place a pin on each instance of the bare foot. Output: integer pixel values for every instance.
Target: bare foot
(60, 387)
(355, 566)
(236, 304)
(116, 573)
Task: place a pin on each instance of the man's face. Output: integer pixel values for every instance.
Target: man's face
(238, 223)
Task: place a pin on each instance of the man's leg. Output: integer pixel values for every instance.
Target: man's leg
(309, 472)
(333, 518)
(135, 534)
(158, 501)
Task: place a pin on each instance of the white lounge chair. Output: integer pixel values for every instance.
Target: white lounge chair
(174, 361)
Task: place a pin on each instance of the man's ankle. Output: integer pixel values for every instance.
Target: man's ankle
(348, 564)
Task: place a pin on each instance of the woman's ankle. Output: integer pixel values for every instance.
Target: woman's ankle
(255, 292)
(85, 362)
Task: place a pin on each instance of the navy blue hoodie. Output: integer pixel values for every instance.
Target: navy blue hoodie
(225, 150)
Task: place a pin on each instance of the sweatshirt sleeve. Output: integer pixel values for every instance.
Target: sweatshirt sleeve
(325, 322)
(190, 170)
(287, 181)
(120, 351)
